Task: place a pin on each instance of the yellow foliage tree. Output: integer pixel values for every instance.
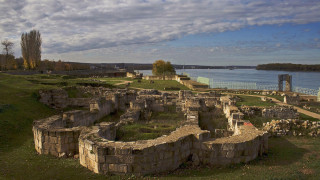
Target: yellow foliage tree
(160, 67)
(31, 49)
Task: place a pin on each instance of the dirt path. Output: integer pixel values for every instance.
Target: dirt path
(300, 110)
(124, 82)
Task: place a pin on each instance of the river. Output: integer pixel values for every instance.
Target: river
(252, 78)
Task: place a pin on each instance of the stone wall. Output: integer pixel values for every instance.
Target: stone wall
(167, 153)
(49, 139)
(58, 135)
(293, 127)
(99, 152)
(294, 99)
(282, 112)
(193, 84)
(188, 143)
(55, 98)
(172, 77)
(59, 99)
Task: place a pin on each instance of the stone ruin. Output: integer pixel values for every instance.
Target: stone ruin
(292, 99)
(288, 79)
(293, 127)
(280, 112)
(76, 133)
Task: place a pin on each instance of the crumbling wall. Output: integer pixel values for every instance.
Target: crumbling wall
(294, 100)
(282, 112)
(293, 127)
(58, 135)
(51, 138)
(55, 98)
(100, 153)
(167, 153)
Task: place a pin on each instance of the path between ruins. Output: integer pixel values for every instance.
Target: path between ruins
(300, 110)
(124, 82)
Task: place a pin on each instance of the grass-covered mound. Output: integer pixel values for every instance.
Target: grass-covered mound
(252, 101)
(157, 84)
(160, 123)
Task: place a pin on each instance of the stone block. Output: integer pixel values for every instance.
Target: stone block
(111, 159)
(100, 159)
(126, 159)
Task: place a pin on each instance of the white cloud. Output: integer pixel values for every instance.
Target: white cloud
(74, 25)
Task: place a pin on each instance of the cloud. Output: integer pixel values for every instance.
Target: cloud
(74, 25)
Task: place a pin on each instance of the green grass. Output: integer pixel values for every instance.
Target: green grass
(73, 92)
(161, 123)
(258, 121)
(15, 122)
(213, 120)
(144, 130)
(288, 158)
(171, 115)
(278, 97)
(113, 117)
(306, 117)
(314, 106)
(252, 101)
(158, 84)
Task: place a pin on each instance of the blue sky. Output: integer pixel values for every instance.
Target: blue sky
(206, 32)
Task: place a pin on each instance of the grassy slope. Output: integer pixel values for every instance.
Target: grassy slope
(289, 158)
(158, 84)
(252, 101)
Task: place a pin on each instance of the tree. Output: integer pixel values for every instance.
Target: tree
(7, 49)
(161, 67)
(8, 61)
(31, 49)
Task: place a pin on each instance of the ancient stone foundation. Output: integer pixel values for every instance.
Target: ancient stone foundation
(293, 127)
(281, 112)
(76, 132)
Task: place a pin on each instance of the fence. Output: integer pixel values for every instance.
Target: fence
(250, 86)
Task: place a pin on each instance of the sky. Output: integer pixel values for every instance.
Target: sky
(202, 32)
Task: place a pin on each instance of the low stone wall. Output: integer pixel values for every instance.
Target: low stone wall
(167, 153)
(99, 152)
(172, 77)
(55, 98)
(58, 135)
(293, 127)
(59, 99)
(282, 112)
(142, 157)
(193, 84)
(188, 143)
(49, 139)
(294, 100)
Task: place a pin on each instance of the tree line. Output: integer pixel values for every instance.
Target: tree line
(289, 67)
(31, 56)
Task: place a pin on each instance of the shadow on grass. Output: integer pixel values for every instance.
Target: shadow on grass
(282, 153)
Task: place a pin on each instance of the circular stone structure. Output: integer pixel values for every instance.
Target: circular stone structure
(75, 133)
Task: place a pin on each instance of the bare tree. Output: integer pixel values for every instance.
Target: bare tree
(31, 49)
(7, 47)
(8, 54)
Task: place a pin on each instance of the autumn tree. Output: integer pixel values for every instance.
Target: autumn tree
(31, 49)
(161, 67)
